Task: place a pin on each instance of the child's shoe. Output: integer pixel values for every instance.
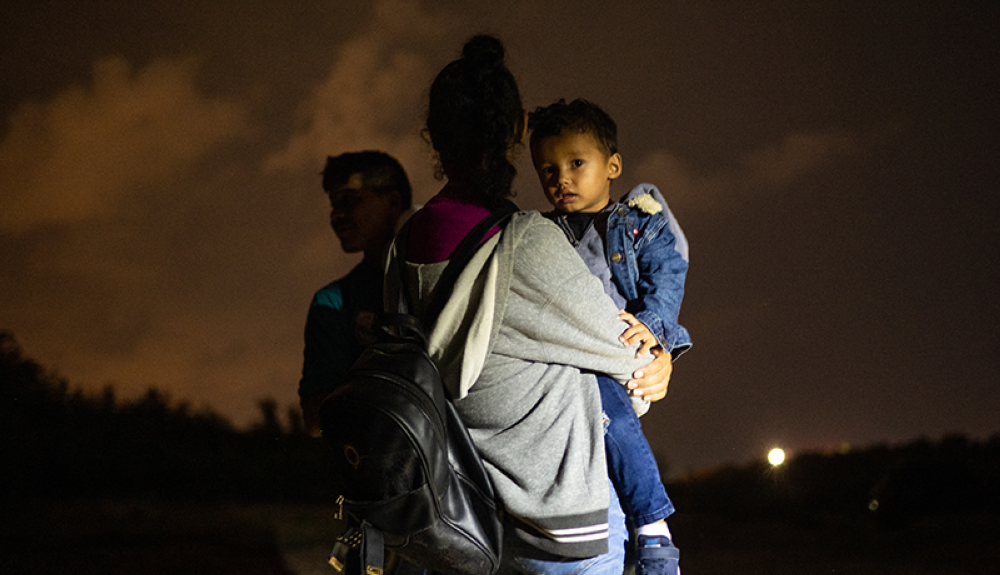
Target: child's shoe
(656, 555)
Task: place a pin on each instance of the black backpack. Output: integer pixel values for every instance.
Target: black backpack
(406, 469)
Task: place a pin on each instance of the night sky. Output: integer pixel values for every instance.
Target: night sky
(834, 166)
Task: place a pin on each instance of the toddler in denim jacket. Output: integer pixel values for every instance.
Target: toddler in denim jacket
(637, 249)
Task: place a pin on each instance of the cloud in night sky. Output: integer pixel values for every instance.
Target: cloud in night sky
(94, 173)
(768, 169)
(77, 156)
(373, 94)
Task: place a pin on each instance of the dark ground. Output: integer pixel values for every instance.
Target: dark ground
(159, 538)
(110, 538)
(713, 545)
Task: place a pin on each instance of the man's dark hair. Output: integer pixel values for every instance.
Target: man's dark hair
(379, 171)
(578, 116)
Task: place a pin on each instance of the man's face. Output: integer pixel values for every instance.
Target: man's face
(363, 219)
(574, 172)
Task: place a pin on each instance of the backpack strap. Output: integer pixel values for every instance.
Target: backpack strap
(456, 263)
(460, 258)
(372, 550)
(360, 550)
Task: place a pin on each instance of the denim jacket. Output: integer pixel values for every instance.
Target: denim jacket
(641, 259)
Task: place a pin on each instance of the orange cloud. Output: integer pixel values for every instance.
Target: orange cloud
(75, 156)
(372, 96)
(765, 170)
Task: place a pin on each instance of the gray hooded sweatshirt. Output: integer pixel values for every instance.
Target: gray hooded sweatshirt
(525, 318)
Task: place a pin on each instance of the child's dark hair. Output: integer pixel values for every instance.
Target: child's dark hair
(474, 117)
(379, 171)
(580, 116)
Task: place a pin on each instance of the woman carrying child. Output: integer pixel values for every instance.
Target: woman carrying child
(526, 321)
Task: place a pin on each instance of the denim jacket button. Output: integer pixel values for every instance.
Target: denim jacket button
(615, 258)
(622, 211)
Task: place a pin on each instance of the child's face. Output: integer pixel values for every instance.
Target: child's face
(574, 172)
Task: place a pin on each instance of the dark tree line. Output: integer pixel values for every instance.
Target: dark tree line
(59, 442)
(890, 486)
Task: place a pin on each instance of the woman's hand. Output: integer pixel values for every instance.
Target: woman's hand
(651, 381)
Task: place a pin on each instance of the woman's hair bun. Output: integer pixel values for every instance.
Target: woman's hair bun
(484, 49)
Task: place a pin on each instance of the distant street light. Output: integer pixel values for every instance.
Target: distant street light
(776, 456)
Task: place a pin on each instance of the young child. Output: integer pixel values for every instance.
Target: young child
(638, 251)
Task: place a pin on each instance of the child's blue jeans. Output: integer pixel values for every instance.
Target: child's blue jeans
(631, 465)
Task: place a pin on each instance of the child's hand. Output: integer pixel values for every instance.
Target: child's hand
(637, 332)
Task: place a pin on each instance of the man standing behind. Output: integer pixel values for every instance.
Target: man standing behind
(369, 193)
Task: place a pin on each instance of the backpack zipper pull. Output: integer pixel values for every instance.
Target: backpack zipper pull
(339, 513)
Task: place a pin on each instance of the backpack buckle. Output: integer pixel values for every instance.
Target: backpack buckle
(346, 542)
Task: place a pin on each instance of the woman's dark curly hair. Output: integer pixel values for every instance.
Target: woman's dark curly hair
(474, 117)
